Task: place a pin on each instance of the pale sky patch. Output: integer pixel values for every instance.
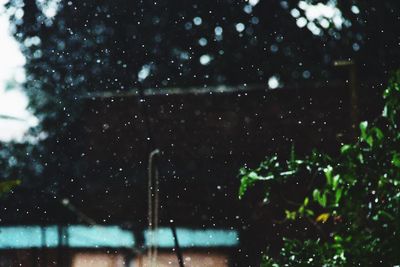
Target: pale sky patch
(13, 101)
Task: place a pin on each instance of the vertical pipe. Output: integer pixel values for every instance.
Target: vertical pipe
(151, 147)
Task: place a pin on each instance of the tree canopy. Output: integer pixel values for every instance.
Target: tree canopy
(77, 47)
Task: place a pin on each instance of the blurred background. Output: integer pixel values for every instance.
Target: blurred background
(89, 89)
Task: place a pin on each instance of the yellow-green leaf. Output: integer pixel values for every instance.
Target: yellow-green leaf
(323, 217)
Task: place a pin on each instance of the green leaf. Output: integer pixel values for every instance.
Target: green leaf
(253, 175)
(379, 134)
(363, 128)
(345, 148)
(316, 194)
(301, 209)
(360, 157)
(245, 183)
(310, 212)
(328, 174)
(335, 181)
(290, 215)
(385, 111)
(396, 160)
(242, 171)
(322, 200)
(305, 203)
(338, 238)
(338, 195)
(370, 140)
(364, 133)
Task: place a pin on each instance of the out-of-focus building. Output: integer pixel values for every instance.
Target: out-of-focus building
(205, 135)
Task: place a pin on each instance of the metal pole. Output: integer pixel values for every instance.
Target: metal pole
(151, 148)
(176, 243)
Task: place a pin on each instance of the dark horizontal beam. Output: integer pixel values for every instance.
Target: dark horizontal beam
(201, 90)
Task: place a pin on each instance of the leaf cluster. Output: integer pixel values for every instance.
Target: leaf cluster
(353, 199)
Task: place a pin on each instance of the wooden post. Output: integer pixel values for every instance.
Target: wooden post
(353, 91)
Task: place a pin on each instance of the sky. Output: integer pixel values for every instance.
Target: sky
(13, 101)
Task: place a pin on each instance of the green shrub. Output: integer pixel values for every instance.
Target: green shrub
(352, 201)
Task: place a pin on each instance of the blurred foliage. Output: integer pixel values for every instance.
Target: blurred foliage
(352, 201)
(7, 186)
(19, 163)
(96, 46)
(75, 48)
